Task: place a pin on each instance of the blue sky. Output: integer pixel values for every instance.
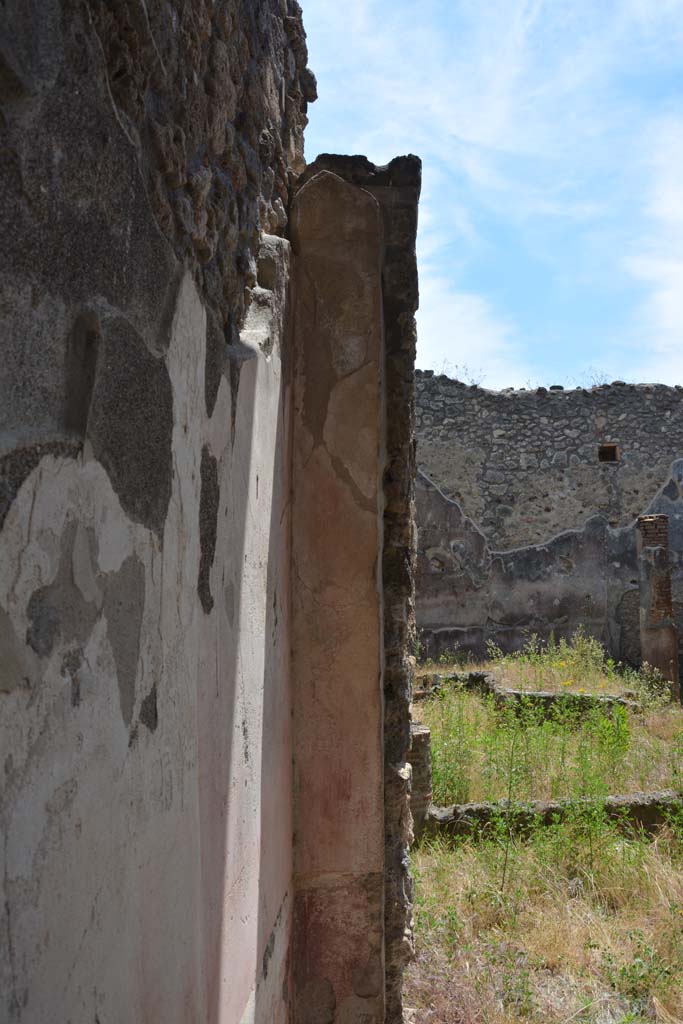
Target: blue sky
(550, 245)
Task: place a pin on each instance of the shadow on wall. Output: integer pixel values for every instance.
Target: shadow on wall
(469, 594)
(244, 699)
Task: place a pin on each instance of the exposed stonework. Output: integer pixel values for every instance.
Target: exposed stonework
(169, 134)
(493, 564)
(469, 593)
(421, 785)
(525, 465)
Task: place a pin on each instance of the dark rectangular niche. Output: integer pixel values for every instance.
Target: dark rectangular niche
(608, 453)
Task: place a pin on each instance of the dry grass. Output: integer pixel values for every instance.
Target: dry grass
(578, 665)
(576, 922)
(561, 677)
(518, 674)
(587, 928)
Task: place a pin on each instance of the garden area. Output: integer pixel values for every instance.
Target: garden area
(577, 916)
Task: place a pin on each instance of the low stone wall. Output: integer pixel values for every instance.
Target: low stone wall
(544, 701)
(642, 811)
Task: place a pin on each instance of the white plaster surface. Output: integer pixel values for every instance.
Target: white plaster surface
(146, 871)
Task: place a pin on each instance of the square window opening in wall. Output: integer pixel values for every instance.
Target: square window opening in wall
(608, 452)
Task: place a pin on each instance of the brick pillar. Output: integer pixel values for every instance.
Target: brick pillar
(658, 635)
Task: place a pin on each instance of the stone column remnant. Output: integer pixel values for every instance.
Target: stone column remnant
(658, 634)
(420, 758)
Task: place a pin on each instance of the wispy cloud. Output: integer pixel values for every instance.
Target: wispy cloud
(656, 259)
(530, 126)
(459, 329)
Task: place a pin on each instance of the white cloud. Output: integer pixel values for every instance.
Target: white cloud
(656, 260)
(459, 329)
(524, 117)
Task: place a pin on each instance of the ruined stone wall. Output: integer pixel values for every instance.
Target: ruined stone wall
(144, 500)
(522, 528)
(206, 528)
(525, 464)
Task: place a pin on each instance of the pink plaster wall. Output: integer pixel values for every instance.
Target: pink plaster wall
(336, 603)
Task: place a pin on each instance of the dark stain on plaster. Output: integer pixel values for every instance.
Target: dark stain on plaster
(124, 602)
(208, 525)
(131, 423)
(18, 664)
(671, 491)
(267, 954)
(216, 360)
(316, 1002)
(59, 609)
(235, 371)
(18, 464)
(270, 944)
(149, 712)
(245, 741)
(81, 363)
(230, 601)
(71, 666)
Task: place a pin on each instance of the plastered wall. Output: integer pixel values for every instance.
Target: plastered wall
(145, 701)
(183, 450)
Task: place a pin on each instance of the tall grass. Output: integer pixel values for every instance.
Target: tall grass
(579, 921)
(482, 753)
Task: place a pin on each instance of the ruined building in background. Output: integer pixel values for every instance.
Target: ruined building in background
(527, 504)
(206, 546)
